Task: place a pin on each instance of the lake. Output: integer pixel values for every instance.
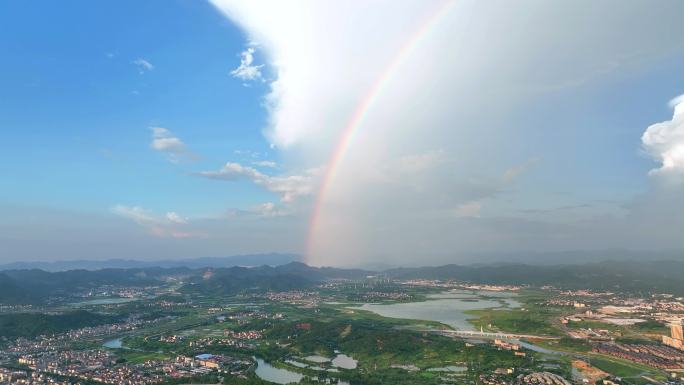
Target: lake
(268, 372)
(448, 307)
(104, 301)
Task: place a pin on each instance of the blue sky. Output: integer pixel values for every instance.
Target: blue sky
(76, 111)
(176, 129)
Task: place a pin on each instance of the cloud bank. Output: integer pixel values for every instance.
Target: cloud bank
(441, 158)
(664, 142)
(289, 187)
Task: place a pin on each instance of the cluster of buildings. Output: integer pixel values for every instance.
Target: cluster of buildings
(505, 345)
(293, 296)
(541, 378)
(59, 341)
(24, 377)
(663, 307)
(427, 283)
(66, 362)
(244, 317)
(492, 287)
(223, 364)
(614, 311)
(103, 366)
(172, 339)
(385, 295)
(202, 343)
(244, 335)
(502, 377)
(93, 365)
(663, 357)
(103, 330)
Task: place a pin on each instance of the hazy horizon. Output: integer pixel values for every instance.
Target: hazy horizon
(569, 257)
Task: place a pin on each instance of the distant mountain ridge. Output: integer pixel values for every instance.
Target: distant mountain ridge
(36, 286)
(639, 277)
(577, 257)
(272, 259)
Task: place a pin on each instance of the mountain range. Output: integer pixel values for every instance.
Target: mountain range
(272, 259)
(640, 277)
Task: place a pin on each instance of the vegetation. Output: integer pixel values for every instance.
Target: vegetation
(590, 324)
(574, 344)
(651, 326)
(14, 325)
(616, 367)
(389, 351)
(531, 318)
(527, 321)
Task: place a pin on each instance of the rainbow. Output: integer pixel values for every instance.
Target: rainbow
(356, 120)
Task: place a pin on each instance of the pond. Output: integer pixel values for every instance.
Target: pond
(113, 344)
(451, 368)
(344, 361)
(268, 372)
(317, 359)
(448, 308)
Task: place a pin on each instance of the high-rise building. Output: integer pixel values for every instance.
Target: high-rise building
(676, 331)
(676, 338)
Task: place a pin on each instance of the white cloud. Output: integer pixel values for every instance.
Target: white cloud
(289, 187)
(664, 141)
(143, 65)
(234, 171)
(165, 141)
(168, 226)
(175, 218)
(270, 209)
(327, 56)
(266, 163)
(247, 71)
(135, 213)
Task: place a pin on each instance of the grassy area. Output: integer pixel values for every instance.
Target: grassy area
(593, 325)
(330, 312)
(572, 345)
(530, 318)
(134, 357)
(528, 321)
(651, 327)
(622, 368)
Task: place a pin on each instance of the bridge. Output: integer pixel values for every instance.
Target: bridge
(488, 335)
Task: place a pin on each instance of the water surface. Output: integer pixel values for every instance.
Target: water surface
(344, 361)
(268, 372)
(448, 308)
(113, 344)
(317, 359)
(104, 301)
